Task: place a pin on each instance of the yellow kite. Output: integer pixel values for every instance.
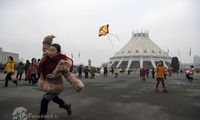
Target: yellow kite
(103, 30)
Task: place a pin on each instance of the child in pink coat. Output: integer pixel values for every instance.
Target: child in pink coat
(53, 66)
(143, 73)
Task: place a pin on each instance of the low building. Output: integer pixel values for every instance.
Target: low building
(4, 56)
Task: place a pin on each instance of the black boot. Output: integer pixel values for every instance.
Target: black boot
(165, 91)
(68, 108)
(15, 83)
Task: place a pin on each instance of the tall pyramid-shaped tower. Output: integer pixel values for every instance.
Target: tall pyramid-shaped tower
(139, 52)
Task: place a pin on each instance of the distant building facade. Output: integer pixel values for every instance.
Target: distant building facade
(139, 52)
(196, 60)
(4, 56)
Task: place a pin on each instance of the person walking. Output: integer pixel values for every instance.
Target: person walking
(147, 71)
(53, 68)
(20, 70)
(93, 71)
(9, 70)
(105, 72)
(165, 75)
(33, 71)
(1, 68)
(160, 70)
(189, 75)
(80, 71)
(86, 71)
(38, 74)
(140, 72)
(153, 73)
(116, 71)
(26, 67)
(129, 72)
(143, 74)
(112, 70)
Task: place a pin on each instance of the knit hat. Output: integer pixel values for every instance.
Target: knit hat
(47, 42)
(48, 39)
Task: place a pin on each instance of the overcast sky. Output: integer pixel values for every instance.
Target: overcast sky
(173, 25)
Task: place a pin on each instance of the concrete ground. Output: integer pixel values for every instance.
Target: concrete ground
(109, 98)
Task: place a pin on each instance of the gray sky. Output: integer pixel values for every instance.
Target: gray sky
(173, 25)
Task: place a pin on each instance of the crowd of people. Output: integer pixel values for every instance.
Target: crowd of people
(29, 69)
(31, 72)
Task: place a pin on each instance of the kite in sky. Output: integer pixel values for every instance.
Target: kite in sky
(104, 31)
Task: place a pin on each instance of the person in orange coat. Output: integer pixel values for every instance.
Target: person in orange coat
(160, 70)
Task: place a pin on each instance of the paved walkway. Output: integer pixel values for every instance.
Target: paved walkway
(108, 98)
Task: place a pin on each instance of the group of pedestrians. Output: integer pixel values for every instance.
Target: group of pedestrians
(92, 71)
(144, 73)
(161, 73)
(86, 71)
(29, 68)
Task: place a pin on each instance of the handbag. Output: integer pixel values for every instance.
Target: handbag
(13, 77)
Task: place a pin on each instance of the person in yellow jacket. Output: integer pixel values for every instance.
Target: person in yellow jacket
(160, 72)
(116, 71)
(9, 70)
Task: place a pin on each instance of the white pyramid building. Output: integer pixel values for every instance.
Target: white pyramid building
(139, 52)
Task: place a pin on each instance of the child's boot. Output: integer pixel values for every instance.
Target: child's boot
(165, 91)
(68, 108)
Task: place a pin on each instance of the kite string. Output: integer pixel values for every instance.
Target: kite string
(110, 40)
(111, 43)
(114, 36)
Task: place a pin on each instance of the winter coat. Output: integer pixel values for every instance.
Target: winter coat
(160, 71)
(143, 72)
(54, 83)
(10, 67)
(116, 71)
(33, 68)
(105, 70)
(93, 71)
(80, 69)
(20, 68)
(191, 72)
(27, 65)
(86, 70)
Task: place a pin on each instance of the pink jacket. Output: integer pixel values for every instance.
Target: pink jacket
(54, 83)
(143, 72)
